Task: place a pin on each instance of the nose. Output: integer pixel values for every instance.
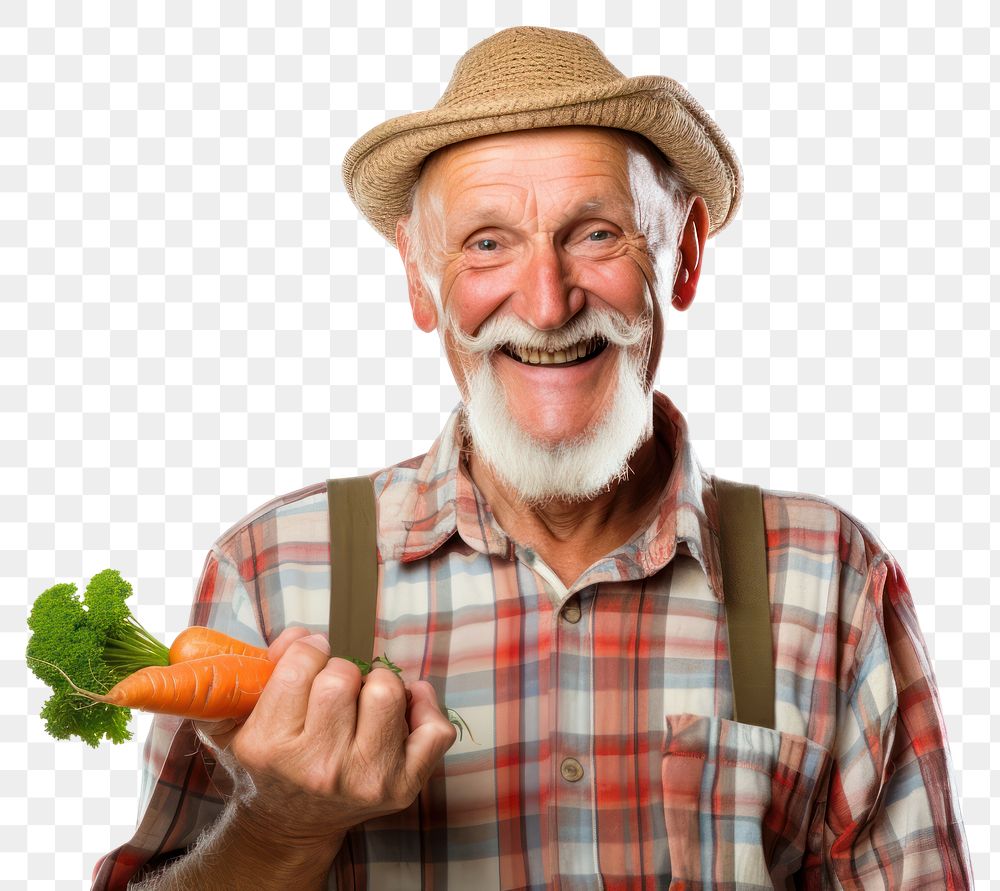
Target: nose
(546, 298)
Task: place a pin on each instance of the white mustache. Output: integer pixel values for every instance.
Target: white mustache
(509, 330)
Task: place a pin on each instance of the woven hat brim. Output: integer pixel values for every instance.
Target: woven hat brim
(380, 169)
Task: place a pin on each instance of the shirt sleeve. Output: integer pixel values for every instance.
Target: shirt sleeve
(183, 788)
(893, 818)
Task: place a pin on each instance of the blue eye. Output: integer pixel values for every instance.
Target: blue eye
(486, 244)
(599, 235)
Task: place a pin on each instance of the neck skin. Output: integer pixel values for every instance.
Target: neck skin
(571, 536)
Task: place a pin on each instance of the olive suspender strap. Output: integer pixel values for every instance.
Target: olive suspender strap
(353, 566)
(743, 550)
(742, 546)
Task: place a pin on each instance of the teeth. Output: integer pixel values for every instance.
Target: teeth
(576, 351)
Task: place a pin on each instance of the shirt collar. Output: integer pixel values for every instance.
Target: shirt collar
(424, 501)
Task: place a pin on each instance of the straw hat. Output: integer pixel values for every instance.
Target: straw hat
(525, 78)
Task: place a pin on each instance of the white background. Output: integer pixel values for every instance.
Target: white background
(194, 320)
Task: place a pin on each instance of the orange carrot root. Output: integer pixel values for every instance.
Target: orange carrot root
(208, 689)
(212, 688)
(197, 642)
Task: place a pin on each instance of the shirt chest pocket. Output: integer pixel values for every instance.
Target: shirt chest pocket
(742, 804)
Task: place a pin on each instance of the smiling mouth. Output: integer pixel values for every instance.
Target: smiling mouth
(577, 354)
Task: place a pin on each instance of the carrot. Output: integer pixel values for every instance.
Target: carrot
(196, 642)
(209, 689)
(81, 646)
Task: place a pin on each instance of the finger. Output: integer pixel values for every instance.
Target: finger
(431, 733)
(215, 728)
(216, 734)
(333, 702)
(382, 715)
(284, 640)
(423, 705)
(283, 704)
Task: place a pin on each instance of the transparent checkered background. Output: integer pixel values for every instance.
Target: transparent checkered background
(194, 320)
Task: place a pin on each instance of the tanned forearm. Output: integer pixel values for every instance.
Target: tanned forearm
(232, 855)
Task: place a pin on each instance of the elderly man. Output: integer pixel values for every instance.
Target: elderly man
(553, 569)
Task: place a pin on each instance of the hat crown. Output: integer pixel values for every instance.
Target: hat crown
(527, 61)
(528, 78)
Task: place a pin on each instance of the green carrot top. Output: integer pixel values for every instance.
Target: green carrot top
(97, 642)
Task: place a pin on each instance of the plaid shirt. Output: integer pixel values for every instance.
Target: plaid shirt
(605, 752)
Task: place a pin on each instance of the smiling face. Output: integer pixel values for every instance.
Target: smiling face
(536, 243)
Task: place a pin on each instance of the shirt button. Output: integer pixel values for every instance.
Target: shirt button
(571, 770)
(571, 611)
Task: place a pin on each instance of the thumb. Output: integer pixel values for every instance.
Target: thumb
(284, 640)
(219, 734)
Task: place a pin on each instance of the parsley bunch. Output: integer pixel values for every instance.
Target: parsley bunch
(96, 641)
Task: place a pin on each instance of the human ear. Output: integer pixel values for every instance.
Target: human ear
(691, 252)
(421, 302)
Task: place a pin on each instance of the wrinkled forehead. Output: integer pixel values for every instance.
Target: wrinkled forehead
(624, 168)
(631, 144)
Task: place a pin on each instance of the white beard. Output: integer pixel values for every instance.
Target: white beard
(538, 472)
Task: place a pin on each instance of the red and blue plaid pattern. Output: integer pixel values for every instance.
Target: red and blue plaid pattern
(605, 754)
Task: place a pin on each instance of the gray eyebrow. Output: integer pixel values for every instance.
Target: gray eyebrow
(597, 205)
(491, 209)
(594, 204)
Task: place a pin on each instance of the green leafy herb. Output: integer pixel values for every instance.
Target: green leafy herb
(96, 641)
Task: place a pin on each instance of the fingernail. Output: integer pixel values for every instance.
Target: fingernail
(319, 641)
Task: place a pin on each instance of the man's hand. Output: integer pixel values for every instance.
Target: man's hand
(325, 749)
